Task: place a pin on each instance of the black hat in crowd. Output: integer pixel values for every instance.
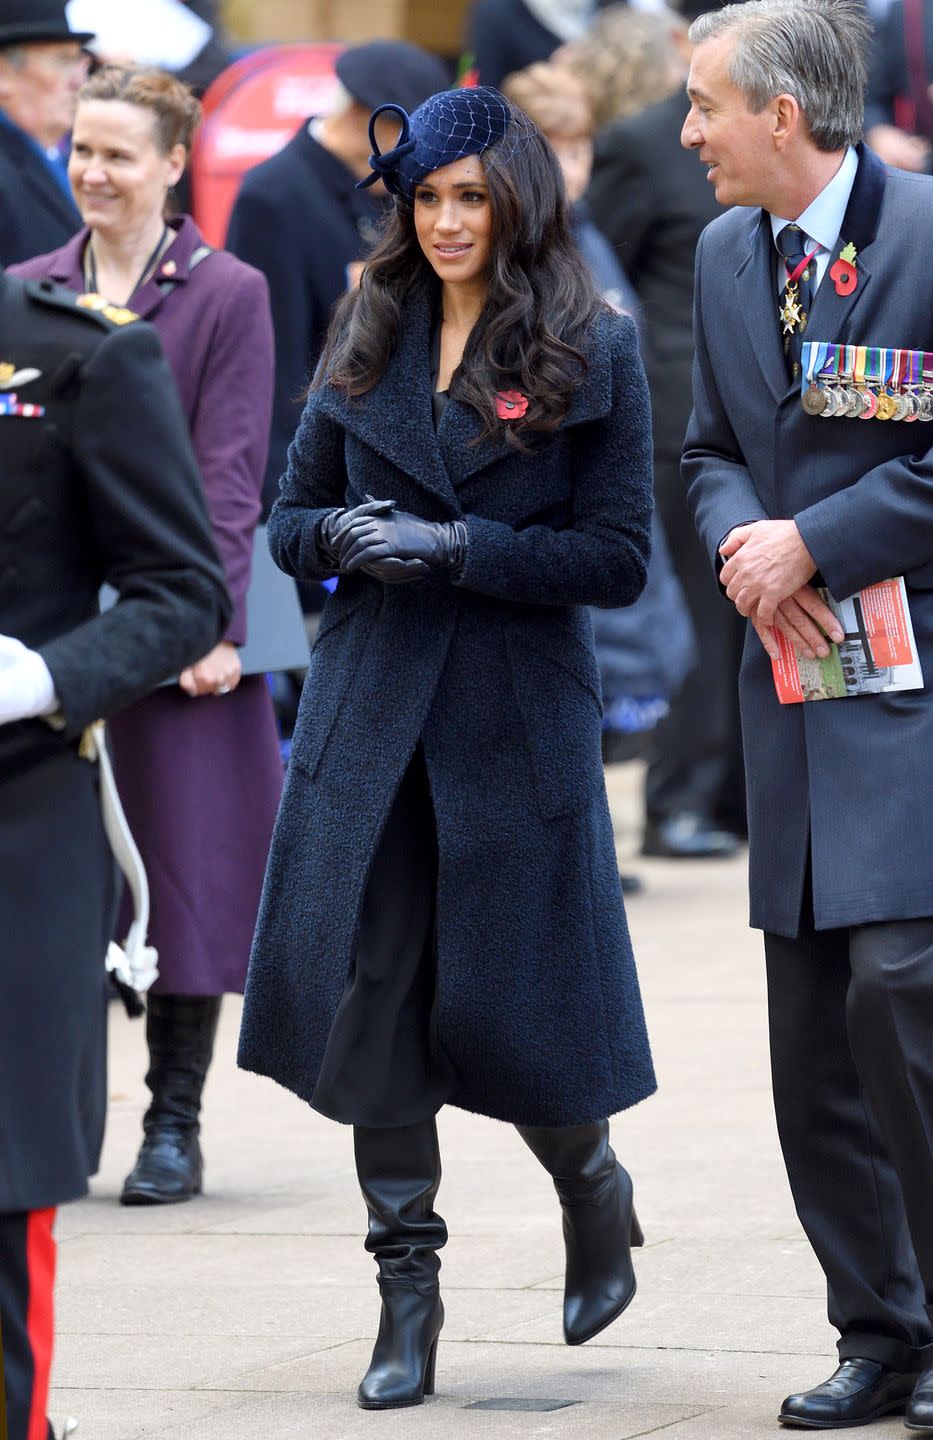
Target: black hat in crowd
(36, 21)
(388, 72)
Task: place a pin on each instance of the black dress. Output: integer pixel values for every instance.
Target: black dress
(383, 1066)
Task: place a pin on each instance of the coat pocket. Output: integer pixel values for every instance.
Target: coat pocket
(556, 681)
(333, 661)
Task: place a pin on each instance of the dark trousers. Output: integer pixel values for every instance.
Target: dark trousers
(382, 1067)
(696, 759)
(27, 1278)
(851, 1016)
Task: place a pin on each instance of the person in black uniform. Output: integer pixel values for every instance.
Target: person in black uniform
(42, 66)
(98, 484)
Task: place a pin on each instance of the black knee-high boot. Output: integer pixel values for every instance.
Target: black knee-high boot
(180, 1031)
(600, 1224)
(399, 1172)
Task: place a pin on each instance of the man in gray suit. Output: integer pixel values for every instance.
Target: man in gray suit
(840, 802)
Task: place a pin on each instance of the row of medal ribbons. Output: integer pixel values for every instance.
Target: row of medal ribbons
(865, 382)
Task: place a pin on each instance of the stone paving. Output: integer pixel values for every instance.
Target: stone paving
(249, 1313)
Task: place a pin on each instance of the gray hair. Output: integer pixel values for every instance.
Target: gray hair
(15, 55)
(815, 50)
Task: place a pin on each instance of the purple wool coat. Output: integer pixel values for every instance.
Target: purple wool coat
(200, 779)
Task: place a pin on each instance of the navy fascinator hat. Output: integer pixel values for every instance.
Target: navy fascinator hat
(446, 128)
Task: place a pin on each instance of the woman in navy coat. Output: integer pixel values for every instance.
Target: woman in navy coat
(442, 920)
(197, 763)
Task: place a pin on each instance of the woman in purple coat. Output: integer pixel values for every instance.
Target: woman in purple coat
(197, 763)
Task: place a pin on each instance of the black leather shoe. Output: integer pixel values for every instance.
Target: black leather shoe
(687, 836)
(180, 1031)
(859, 1392)
(920, 1407)
(168, 1169)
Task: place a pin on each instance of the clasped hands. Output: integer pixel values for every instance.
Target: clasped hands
(389, 544)
(766, 576)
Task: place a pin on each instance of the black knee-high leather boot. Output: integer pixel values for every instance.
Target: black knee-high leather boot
(600, 1224)
(180, 1032)
(399, 1173)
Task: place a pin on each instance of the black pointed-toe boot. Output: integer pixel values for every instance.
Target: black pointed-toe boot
(600, 1224)
(399, 1172)
(180, 1031)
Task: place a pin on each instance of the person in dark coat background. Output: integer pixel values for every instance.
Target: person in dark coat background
(506, 35)
(97, 483)
(644, 650)
(471, 508)
(652, 202)
(197, 764)
(42, 66)
(898, 106)
(300, 219)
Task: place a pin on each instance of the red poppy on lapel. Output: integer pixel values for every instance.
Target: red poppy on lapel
(511, 404)
(843, 273)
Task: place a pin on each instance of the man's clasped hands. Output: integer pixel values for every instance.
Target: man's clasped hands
(766, 575)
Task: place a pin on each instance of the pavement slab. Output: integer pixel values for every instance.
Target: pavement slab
(249, 1313)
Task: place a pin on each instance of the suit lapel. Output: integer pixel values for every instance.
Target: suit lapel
(757, 301)
(831, 311)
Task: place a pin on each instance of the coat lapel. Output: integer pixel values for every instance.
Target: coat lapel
(395, 417)
(757, 302)
(173, 268)
(756, 285)
(461, 427)
(831, 311)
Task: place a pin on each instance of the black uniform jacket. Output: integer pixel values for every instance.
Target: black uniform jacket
(97, 483)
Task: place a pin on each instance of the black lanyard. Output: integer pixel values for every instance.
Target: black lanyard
(91, 266)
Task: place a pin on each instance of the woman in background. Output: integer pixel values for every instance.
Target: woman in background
(197, 763)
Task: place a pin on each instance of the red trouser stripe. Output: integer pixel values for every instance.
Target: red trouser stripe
(40, 1269)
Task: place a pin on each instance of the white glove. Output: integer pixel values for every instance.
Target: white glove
(26, 687)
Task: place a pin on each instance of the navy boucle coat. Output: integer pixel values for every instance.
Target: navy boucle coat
(538, 1007)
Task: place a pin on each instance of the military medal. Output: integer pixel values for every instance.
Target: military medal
(790, 312)
(11, 405)
(813, 399)
(925, 398)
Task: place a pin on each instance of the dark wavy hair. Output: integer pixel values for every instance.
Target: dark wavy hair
(540, 304)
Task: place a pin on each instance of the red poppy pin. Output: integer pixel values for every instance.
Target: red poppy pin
(511, 404)
(843, 273)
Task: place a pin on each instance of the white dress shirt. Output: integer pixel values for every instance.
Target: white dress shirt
(821, 222)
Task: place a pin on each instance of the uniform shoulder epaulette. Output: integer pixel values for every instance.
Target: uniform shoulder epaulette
(92, 307)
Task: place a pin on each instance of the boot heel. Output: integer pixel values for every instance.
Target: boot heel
(638, 1235)
(429, 1370)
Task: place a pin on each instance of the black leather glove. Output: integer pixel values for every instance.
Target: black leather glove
(381, 539)
(332, 528)
(328, 526)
